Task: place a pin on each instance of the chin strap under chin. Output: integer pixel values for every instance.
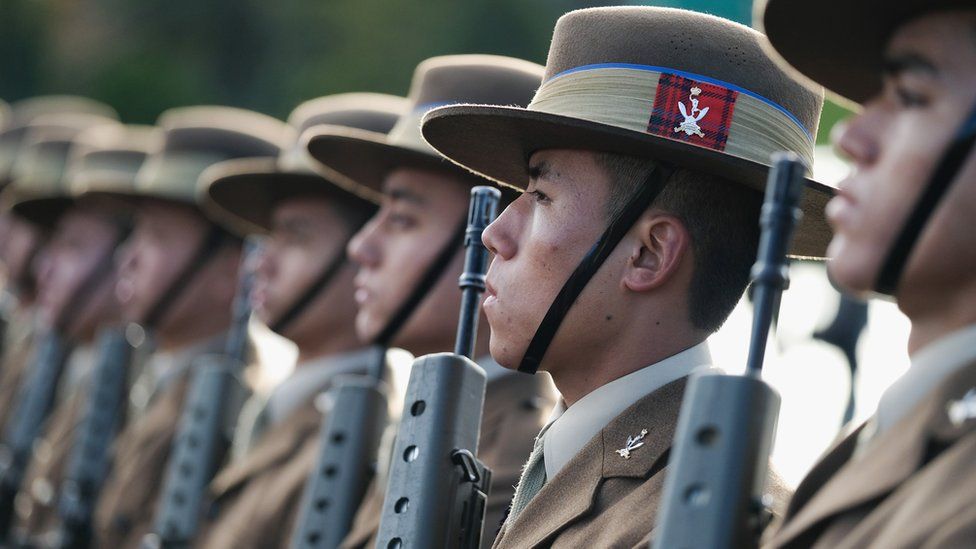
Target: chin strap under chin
(946, 171)
(590, 264)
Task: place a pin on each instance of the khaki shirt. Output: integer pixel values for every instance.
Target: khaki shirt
(17, 352)
(516, 408)
(913, 484)
(255, 501)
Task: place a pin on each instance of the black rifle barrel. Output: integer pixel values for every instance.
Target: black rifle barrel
(482, 210)
(212, 403)
(713, 494)
(89, 460)
(35, 402)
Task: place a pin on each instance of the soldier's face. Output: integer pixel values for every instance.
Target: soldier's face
(307, 234)
(22, 241)
(894, 144)
(538, 241)
(165, 238)
(80, 242)
(419, 214)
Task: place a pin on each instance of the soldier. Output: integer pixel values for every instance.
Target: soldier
(642, 159)
(304, 292)
(20, 240)
(411, 249)
(76, 284)
(177, 276)
(903, 228)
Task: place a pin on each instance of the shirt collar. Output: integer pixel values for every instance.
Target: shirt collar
(312, 377)
(165, 366)
(930, 366)
(571, 428)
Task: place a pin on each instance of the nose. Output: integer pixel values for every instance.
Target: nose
(363, 248)
(497, 236)
(857, 138)
(125, 258)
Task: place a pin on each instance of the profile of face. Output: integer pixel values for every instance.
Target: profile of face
(307, 235)
(81, 242)
(894, 144)
(165, 239)
(420, 213)
(19, 247)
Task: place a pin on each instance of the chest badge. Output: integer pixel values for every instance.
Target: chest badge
(693, 116)
(633, 443)
(962, 410)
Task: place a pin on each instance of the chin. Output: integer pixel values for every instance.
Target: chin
(852, 275)
(501, 353)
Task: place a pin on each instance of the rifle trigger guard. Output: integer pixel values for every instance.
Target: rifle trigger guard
(466, 460)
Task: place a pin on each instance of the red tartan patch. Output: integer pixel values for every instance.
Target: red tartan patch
(676, 116)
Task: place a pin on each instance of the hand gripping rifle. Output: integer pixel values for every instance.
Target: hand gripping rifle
(437, 489)
(33, 406)
(89, 460)
(713, 495)
(209, 412)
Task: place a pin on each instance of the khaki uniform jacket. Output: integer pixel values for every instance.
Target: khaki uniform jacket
(914, 486)
(600, 499)
(17, 355)
(130, 495)
(37, 502)
(516, 408)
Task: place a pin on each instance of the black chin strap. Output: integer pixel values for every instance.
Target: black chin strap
(423, 287)
(213, 240)
(86, 290)
(314, 289)
(943, 176)
(590, 264)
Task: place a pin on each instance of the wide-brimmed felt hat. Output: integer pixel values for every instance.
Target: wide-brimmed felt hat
(368, 158)
(241, 194)
(689, 89)
(23, 113)
(840, 44)
(41, 161)
(195, 138)
(102, 159)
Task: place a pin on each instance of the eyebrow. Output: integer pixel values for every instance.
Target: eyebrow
(406, 195)
(539, 170)
(909, 62)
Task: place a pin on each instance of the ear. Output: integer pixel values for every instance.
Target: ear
(662, 242)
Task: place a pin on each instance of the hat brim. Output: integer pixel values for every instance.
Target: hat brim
(850, 38)
(244, 202)
(365, 157)
(496, 142)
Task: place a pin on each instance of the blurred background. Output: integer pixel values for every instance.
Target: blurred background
(145, 56)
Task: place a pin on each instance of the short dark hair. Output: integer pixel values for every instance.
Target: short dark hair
(722, 218)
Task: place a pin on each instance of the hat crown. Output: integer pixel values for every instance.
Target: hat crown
(681, 41)
(195, 138)
(108, 158)
(455, 79)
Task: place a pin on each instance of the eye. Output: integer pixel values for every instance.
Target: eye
(910, 99)
(539, 196)
(401, 221)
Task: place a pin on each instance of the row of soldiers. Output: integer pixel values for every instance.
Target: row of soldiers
(632, 167)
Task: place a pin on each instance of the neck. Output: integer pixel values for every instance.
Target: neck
(174, 340)
(338, 342)
(936, 317)
(632, 351)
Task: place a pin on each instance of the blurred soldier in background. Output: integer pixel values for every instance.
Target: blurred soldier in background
(303, 291)
(643, 158)
(903, 223)
(177, 277)
(75, 287)
(410, 256)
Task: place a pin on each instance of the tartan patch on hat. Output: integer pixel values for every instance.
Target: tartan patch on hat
(696, 112)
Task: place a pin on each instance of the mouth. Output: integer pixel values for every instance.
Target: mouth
(361, 293)
(838, 208)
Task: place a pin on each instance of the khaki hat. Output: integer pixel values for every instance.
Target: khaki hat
(840, 44)
(23, 113)
(693, 90)
(195, 138)
(241, 194)
(42, 158)
(103, 159)
(368, 158)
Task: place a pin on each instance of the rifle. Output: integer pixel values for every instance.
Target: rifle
(713, 495)
(89, 461)
(205, 429)
(437, 489)
(33, 406)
